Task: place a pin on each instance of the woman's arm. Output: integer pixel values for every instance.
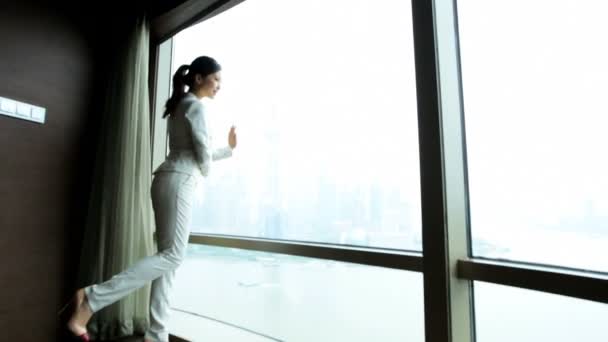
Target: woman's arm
(226, 152)
(195, 117)
(202, 142)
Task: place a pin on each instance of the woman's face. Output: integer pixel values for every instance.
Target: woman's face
(210, 85)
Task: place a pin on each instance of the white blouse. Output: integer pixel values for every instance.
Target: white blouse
(191, 148)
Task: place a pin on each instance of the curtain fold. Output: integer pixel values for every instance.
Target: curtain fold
(120, 221)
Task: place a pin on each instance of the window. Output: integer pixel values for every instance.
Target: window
(534, 78)
(505, 314)
(287, 298)
(323, 97)
(322, 94)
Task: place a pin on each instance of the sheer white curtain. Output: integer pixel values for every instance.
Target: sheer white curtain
(120, 221)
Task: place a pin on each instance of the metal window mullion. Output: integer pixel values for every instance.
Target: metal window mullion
(448, 299)
(395, 259)
(574, 283)
(455, 171)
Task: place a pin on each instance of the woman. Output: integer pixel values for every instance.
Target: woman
(190, 158)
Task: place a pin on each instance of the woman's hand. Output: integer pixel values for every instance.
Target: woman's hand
(232, 137)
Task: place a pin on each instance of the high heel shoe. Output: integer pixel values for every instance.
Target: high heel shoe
(75, 303)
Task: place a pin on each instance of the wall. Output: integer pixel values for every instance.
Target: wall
(45, 59)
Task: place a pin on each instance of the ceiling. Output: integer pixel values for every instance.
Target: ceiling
(158, 7)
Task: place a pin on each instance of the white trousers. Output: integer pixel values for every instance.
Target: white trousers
(172, 198)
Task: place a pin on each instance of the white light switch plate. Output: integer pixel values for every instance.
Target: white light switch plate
(22, 110)
(38, 114)
(8, 106)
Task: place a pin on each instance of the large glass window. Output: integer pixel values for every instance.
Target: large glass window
(506, 314)
(265, 296)
(323, 97)
(534, 77)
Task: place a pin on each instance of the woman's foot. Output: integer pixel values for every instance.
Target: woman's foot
(81, 315)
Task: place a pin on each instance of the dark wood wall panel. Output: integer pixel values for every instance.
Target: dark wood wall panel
(46, 59)
(57, 56)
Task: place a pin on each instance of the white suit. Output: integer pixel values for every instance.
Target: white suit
(189, 160)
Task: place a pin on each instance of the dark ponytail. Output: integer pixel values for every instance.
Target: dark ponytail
(184, 77)
(179, 89)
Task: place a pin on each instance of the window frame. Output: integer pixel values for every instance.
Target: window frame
(446, 261)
